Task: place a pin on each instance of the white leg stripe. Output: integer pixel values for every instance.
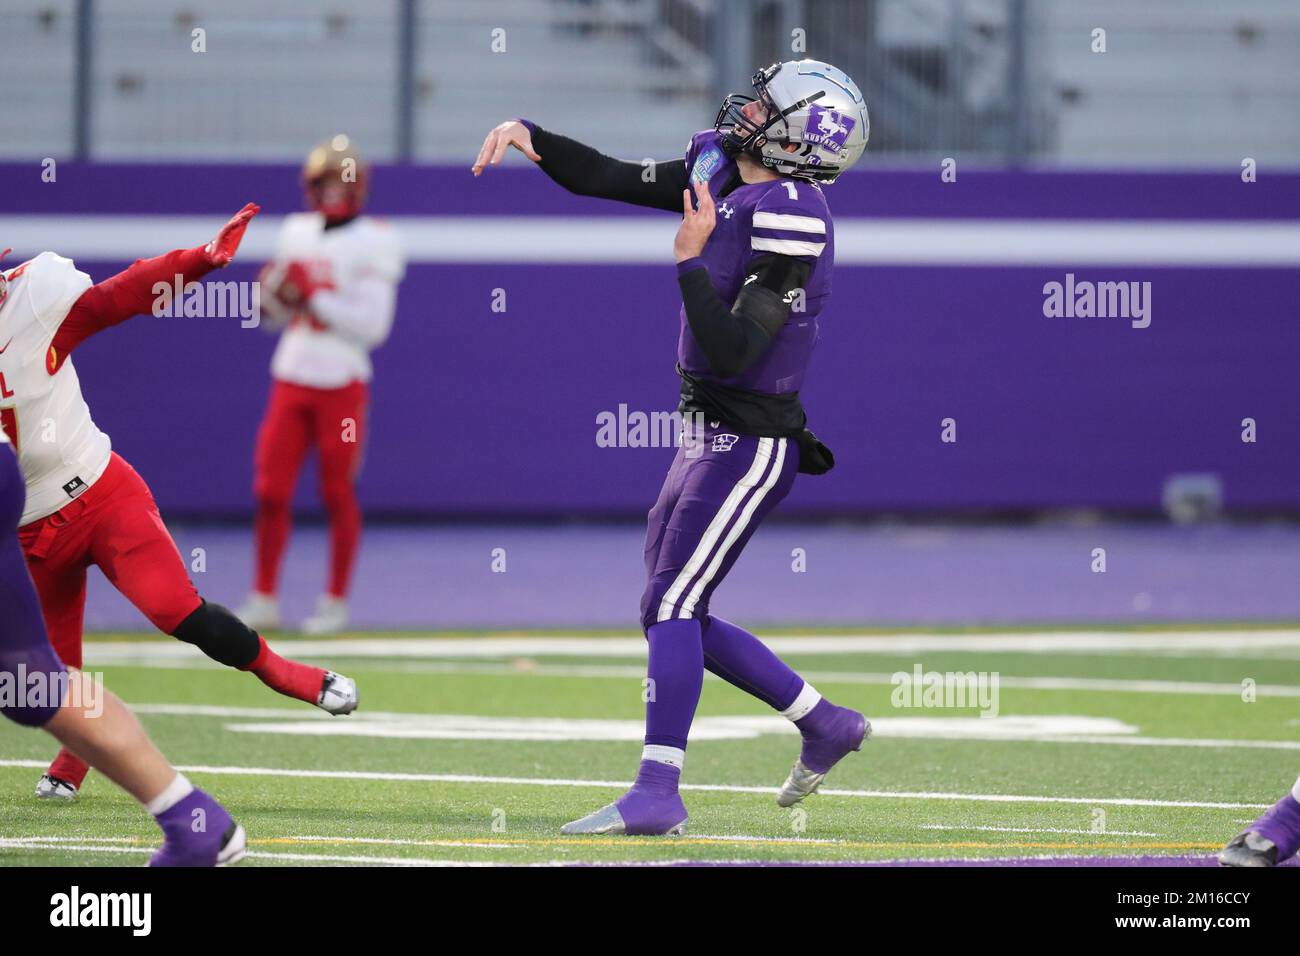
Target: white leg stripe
(1295, 791)
(711, 534)
(805, 702)
(673, 756)
(688, 606)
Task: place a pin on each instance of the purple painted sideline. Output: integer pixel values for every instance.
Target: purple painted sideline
(1101, 862)
(421, 578)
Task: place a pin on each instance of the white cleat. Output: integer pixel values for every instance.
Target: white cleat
(338, 695)
(261, 612)
(798, 785)
(331, 616)
(53, 788)
(233, 850)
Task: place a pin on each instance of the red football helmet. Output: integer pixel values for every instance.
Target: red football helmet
(335, 179)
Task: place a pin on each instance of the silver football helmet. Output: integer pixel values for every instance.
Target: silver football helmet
(809, 104)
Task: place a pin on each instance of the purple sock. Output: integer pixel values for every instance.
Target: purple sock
(1281, 824)
(677, 674)
(744, 661)
(657, 779)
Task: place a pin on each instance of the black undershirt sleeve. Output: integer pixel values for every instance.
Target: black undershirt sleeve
(586, 172)
(733, 338)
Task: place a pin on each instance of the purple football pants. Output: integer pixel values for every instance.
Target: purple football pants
(717, 492)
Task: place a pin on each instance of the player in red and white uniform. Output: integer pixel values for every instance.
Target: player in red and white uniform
(334, 278)
(85, 505)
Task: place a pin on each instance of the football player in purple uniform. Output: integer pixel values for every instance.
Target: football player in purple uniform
(754, 255)
(1272, 839)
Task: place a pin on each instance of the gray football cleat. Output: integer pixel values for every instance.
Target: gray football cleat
(802, 781)
(54, 788)
(608, 820)
(338, 694)
(1249, 848)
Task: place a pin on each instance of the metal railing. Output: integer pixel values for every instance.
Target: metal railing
(1182, 81)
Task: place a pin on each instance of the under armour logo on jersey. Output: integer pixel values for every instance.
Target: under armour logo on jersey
(726, 210)
(724, 442)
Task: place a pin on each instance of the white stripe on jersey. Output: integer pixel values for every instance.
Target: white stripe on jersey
(793, 223)
(787, 247)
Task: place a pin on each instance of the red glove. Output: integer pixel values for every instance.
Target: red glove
(221, 250)
(301, 281)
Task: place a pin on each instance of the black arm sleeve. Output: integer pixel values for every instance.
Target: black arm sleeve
(733, 339)
(586, 172)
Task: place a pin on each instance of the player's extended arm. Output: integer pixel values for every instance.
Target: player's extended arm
(733, 339)
(585, 171)
(132, 291)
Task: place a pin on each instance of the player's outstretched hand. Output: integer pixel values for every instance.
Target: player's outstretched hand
(510, 133)
(697, 224)
(221, 250)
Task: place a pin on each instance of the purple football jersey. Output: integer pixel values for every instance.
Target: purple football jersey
(782, 216)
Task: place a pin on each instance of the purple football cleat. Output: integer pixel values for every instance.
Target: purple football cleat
(652, 807)
(830, 734)
(1270, 840)
(199, 832)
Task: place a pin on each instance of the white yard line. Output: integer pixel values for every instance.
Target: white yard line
(161, 653)
(710, 787)
(963, 829)
(105, 653)
(420, 726)
(870, 678)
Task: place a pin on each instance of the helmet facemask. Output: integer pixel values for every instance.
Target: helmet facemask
(740, 134)
(819, 132)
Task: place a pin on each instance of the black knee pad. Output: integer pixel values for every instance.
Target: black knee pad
(219, 634)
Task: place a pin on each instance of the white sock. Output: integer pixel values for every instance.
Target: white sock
(673, 756)
(803, 703)
(1295, 791)
(174, 793)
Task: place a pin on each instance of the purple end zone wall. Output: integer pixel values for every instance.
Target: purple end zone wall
(483, 412)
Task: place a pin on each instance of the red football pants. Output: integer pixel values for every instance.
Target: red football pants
(333, 420)
(116, 526)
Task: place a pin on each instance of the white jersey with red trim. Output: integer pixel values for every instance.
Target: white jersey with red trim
(328, 344)
(60, 450)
